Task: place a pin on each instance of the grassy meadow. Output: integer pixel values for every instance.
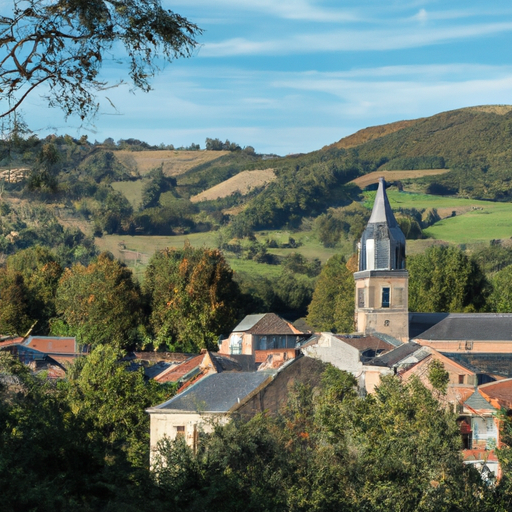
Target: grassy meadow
(466, 221)
(474, 221)
(309, 247)
(132, 190)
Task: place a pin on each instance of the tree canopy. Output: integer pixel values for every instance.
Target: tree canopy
(193, 297)
(444, 279)
(100, 303)
(332, 306)
(63, 43)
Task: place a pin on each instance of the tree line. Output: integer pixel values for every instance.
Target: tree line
(443, 279)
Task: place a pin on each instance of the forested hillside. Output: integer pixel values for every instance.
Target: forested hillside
(66, 194)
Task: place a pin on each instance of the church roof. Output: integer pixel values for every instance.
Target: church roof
(382, 211)
(471, 326)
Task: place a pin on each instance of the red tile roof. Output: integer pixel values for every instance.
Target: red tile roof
(176, 372)
(499, 391)
(8, 342)
(52, 345)
(487, 455)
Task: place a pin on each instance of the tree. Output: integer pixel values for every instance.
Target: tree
(44, 175)
(332, 306)
(99, 303)
(500, 299)
(111, 402)
(438, 377)
(407, 454)
(63, 44)
(444, 279)
(40, 272)
(14, 309)
(193, 297)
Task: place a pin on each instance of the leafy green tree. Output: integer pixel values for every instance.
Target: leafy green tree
(113, 213)
(500, 299)
(408, 452)
(193, 297)
(494, 257)
(100, 303)
(332, 306)
(44, 174)
(63, 44)
(79, 444)
(444, 279)
(111, 402)
(41, 272)
(14, 303)
(438, 376)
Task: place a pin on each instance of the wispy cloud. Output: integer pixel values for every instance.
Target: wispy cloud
(284, 9)
(351, 40)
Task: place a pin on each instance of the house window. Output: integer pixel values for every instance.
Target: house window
(385, 297)
(180, 431)
(461, 379)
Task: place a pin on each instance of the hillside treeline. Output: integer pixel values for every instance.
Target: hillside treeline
(474, 145)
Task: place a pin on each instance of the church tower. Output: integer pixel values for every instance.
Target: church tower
(382, 281)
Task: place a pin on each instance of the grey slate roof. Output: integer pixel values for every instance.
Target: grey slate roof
(388, 339)
(471, 326)
(218, 392)
(394, 356)
(484, 363)
(421, 322)
(477, 401)
(382, 211)
(387, 251)
(248, 322)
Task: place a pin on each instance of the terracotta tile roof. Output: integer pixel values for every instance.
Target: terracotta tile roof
(500, 392)
(474, 455)
(176, 372)
(52, 345)
(268, 323)
(9, 341)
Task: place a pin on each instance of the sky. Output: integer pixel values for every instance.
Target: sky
(291, 76)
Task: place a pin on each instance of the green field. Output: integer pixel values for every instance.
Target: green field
(309, 247)
(132, 190)
(474, 221)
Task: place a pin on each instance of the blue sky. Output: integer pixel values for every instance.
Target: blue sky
(289, 76)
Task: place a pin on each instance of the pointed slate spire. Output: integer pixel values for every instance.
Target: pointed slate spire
(382, 243)
(382, 212)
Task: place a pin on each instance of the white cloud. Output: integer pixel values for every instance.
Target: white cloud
(350, 40)
(284, 9)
